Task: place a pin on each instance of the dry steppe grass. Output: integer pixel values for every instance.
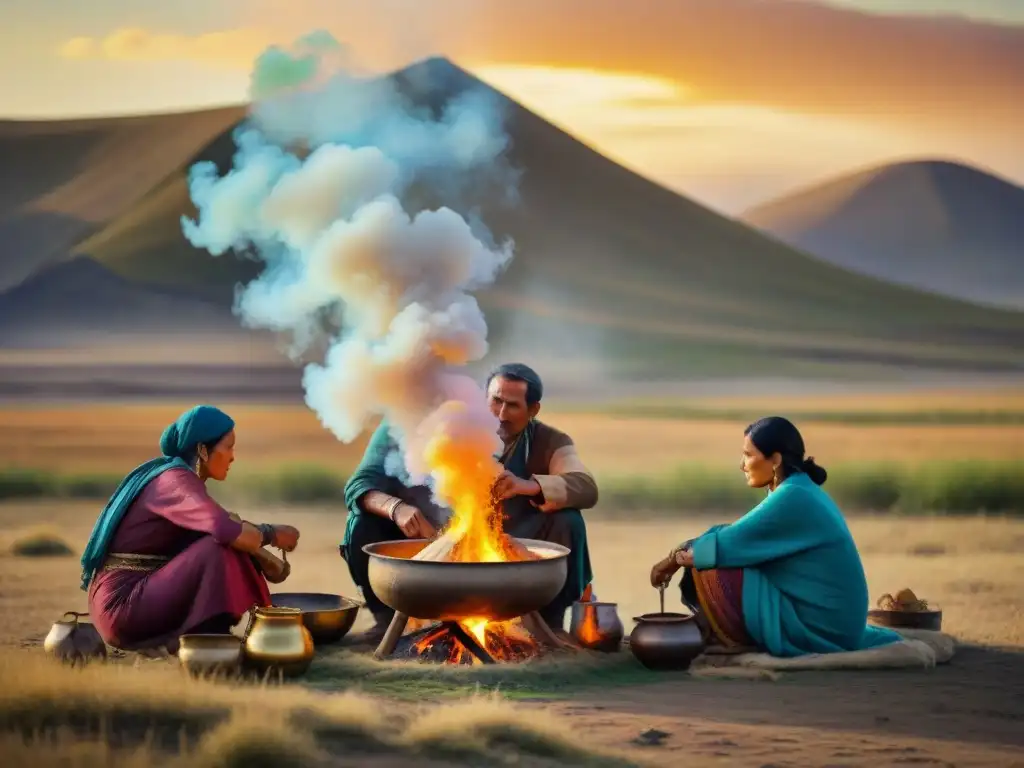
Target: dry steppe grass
(114, 438)
(970, 567)
(111, 710)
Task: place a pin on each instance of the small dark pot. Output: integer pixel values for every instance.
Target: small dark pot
(666, 641)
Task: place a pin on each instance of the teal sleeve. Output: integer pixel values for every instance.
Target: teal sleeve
(712, 529)
(370, 475)
(783, 524)
(690, 542)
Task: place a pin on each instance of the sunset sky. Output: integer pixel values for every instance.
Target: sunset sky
(729, 101)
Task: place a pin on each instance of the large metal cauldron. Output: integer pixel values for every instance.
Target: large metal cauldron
(444, 591)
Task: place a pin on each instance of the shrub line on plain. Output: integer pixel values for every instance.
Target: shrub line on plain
(945, 487)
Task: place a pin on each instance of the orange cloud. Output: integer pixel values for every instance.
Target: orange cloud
(660, 130)
(236, 48)
(688, 91)
(786, 54)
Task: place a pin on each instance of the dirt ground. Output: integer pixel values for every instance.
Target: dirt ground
(970, 712)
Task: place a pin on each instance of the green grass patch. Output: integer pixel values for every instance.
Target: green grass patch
(549, 677)
(27, 483)
(967, 487)
(291, 484)
(945, 488)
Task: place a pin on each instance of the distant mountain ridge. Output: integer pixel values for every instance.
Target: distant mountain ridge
(80, 298)
(64, 180)
(610, 268)
(929, 224)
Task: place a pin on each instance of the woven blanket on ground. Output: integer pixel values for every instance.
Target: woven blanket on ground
(919, 649)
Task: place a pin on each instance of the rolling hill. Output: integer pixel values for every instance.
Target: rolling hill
(632, 279)
(65, 179)
(77, 299)
(933, 225)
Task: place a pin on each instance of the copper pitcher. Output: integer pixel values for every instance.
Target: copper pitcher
(596, 625)
(74, 641)
(276, 639)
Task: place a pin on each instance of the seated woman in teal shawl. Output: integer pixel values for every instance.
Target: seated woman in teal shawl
(786, 577)
(164, 558)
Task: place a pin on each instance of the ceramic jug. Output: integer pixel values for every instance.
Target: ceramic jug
(74, 641)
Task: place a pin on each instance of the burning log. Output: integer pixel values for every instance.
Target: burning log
(450, 643)
(445, 548)
(516, 550)
(439, 550)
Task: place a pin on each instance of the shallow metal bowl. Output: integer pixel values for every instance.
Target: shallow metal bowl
(445, 591)
(206, 654)
(327, 617)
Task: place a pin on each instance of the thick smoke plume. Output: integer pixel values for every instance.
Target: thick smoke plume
(315, 191)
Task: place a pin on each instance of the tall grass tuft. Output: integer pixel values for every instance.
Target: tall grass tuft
(38, 541)
(108, 714)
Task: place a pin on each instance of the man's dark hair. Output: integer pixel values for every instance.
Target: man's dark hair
(521, 372)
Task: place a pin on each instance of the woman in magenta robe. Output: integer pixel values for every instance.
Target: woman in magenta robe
(164, 558)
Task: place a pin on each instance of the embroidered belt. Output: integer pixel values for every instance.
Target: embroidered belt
(117, 561)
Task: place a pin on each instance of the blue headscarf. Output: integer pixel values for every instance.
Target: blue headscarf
(201, 424)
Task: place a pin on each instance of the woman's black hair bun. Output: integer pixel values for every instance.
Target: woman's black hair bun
(813, 471)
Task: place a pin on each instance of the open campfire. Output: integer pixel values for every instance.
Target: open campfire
(477, 588)
(467, 612)
(472, 642)
(475, 640)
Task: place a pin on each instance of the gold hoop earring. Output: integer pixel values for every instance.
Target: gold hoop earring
(200, 458)
(775, 476)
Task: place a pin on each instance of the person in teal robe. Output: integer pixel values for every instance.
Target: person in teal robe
(544, 488)
(786, 578)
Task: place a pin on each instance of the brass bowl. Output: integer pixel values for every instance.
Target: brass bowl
(327, 617)
(210, 654)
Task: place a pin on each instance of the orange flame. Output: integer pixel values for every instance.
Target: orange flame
(465, 470)
(501, 640)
